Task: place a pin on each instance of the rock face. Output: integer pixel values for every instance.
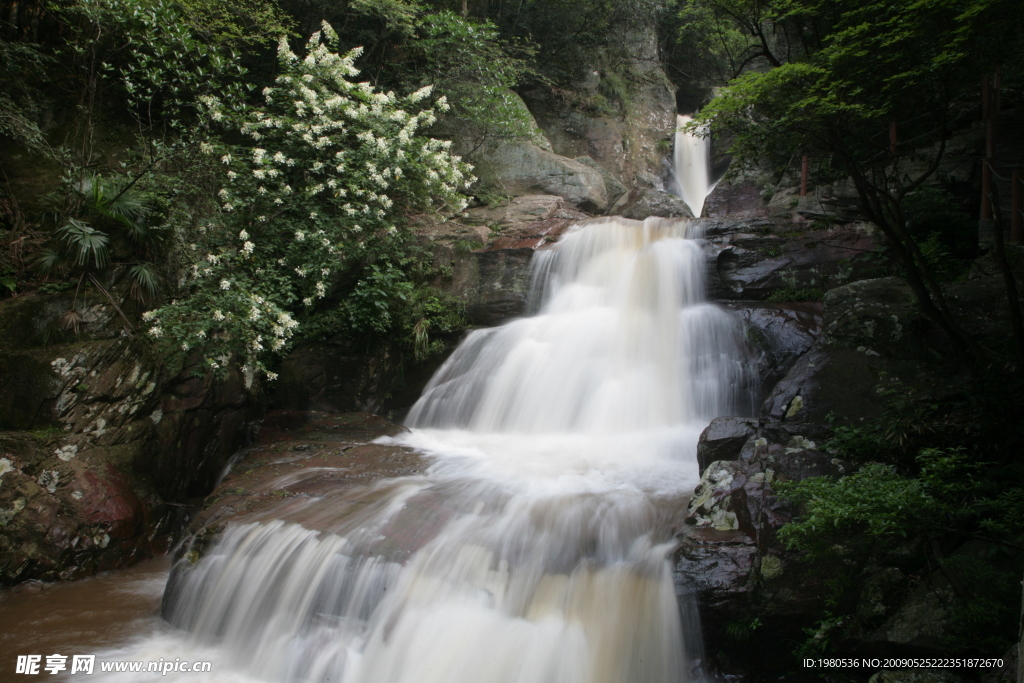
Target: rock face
(103, 445)
(306, 467)
(629, 137)
(520, 168)
(750, 259)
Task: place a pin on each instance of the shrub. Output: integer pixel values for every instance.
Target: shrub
(314, 207)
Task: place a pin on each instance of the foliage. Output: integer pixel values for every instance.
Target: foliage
(114, 228)
(315, 208)
(944, 231)
(22, 67)
(470, 63)
(835, 82)
(879, 501)
(953, 495)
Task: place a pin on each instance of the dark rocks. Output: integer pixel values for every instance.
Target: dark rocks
(104, 444)
(750, 259)
(723, 439)
(729, 557)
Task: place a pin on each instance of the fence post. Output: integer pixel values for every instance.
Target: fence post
(1017, 208)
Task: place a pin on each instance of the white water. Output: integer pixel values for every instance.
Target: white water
(691, 167)
(534, 548)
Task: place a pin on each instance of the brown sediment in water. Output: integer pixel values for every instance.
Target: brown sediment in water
(79, 617)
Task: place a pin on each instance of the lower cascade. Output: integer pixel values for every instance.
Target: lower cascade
(533, 549)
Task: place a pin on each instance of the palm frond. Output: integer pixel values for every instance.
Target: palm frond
(85, 242)
(51, 261)
(144, 281)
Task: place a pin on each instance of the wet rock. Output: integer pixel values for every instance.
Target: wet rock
(307, 467)
(723, 439)
(876, 317)
(880, 593)
(332, 377)
(794, 397)
(781, 332)
(751, 258)
(642, 203)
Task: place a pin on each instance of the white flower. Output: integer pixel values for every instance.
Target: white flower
(201, 334)
(155, 332)
(218, 316)
(300, 236)
(301, 272)
(259, 174)
(226, 159)
(223, 193)
(321, 290)
(225, 285)
(148, 315)
(312, 214)
(247, 248)
(254, 313)
(212, 258)
(325, 272)
(243, 235)
(184, 346)
(308, 301)
(273, 375)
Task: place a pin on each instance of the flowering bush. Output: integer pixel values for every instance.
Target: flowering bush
(313, 206)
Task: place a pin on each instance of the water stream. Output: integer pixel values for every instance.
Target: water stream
(691, 167)
(534, 548)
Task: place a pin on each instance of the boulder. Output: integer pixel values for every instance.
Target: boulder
(724, 439)
(519, 168)
(641, 203)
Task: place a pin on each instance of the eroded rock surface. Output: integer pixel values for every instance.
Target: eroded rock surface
(315, 469)
(103, 445)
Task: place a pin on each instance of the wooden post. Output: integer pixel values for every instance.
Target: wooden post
(986, 184)
(804, 167)
(1016, 219)
(984, 98)
(892, 137)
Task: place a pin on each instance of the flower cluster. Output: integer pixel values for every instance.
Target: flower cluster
(332, 168)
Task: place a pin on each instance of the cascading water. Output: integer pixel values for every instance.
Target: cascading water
(534, 548)
(691, 167)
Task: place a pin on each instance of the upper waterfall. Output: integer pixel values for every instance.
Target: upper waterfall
(623, 341)
(691, 167)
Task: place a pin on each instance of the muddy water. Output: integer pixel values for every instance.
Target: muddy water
(82, 617)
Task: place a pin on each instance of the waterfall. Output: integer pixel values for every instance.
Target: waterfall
(691, 167)
(533, 550)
